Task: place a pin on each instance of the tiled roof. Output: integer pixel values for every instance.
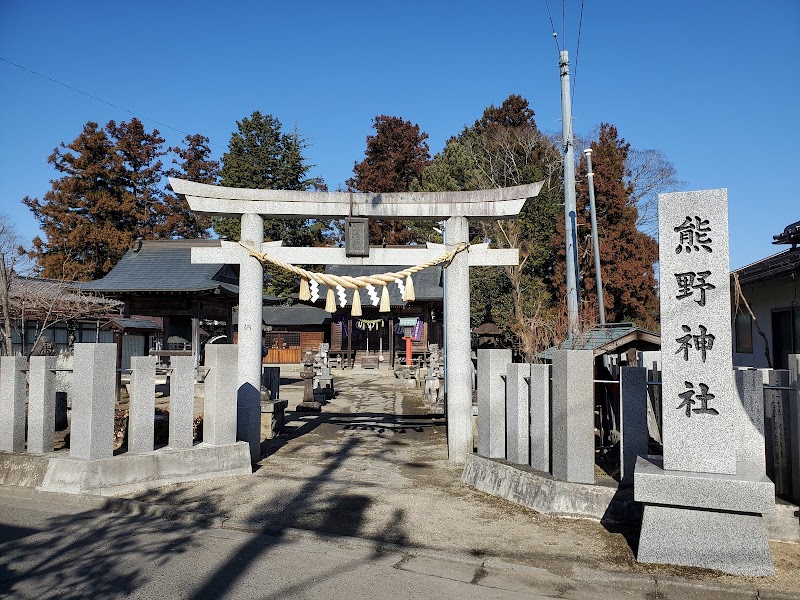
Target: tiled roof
(773, 267)
(165, 266)
(612, 337)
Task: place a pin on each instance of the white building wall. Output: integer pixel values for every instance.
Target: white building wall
(763, 297)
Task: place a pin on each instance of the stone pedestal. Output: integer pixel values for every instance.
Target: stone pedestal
(704, 501)
(310, 402)
(707, 520)
(324, 383)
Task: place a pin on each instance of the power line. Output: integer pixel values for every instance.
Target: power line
(112, 105)
(553, 27)
(577, 54)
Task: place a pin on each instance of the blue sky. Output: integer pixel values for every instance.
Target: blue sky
(714, 85)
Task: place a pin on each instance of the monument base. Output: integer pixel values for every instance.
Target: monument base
(705, 520)
(309, 406)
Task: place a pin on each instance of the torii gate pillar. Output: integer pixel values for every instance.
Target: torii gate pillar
(458, 357)
(251, 294)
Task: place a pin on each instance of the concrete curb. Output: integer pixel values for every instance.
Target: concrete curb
(581, 574)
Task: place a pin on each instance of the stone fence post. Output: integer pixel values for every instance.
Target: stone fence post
(219, 409)
(142, 404)
(94, 382)
(41, 404)
(633, 420)
(518, 413)
(794, 421)
(12, 403)
(573, 416)
(492, 365)
(181, 401)
(540, 417)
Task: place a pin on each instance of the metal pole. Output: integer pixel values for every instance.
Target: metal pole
(569, 198)
(595, 244)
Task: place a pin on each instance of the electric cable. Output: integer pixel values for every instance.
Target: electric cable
(552, 26)
(577, 55)
(112, 105)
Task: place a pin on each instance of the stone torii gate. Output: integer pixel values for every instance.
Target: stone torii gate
(456, 208)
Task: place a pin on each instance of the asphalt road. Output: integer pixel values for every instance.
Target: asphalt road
(52, 551)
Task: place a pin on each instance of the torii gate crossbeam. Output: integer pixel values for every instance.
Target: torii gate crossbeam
(454, 207)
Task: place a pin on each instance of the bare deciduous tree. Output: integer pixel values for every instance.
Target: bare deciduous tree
(43, 301)
(650, 174)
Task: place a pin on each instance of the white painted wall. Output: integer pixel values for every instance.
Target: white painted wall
(763, 297)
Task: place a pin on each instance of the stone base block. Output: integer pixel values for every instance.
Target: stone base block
(707, 520)
(729, 542)
(310, 406)
(540, 492)
(747, 491)
(126, 473)
(21, 469)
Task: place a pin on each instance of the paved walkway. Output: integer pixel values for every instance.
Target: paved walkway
(371, 470)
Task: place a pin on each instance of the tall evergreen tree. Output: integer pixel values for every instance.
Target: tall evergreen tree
(395, 158)
(261, 156)
(107, 196)
(194, 164)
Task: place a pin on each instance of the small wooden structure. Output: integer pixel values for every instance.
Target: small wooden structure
(157, 278)
(290, 330)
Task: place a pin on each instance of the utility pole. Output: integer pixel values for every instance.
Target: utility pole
(598, 276)
(569, 197)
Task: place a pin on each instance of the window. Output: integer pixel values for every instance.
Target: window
(744, 333)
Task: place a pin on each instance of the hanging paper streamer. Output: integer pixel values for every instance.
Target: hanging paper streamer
(356, 310)
(373, 295)
(401, 287)
(342, 297)
(314, 289)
